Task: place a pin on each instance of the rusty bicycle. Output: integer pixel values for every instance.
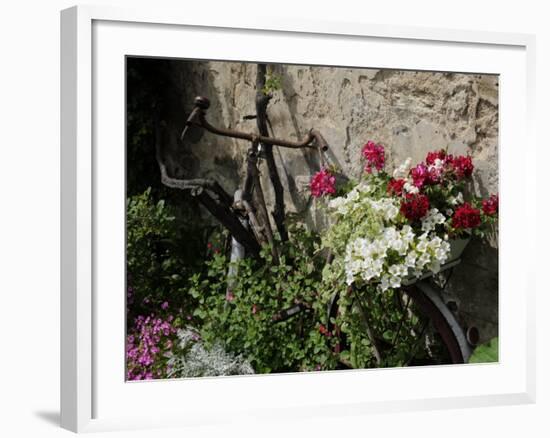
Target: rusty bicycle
(246, 217)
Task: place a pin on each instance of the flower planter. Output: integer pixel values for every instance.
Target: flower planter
(457, 248)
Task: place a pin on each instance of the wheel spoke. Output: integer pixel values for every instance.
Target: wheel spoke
(418, 341)
(370, 334)
(401, 321)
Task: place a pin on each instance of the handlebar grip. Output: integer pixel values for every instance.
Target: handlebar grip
(320, 140)
(202, 102)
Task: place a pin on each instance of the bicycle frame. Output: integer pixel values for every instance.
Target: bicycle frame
(247, 219)
(252, 205)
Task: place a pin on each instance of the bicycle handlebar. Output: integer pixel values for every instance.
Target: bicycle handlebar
(198, 118)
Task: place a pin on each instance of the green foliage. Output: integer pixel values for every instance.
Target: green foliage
(161, 254)
(398, 330)
(244, 321)
(272, 83)
(485, 353)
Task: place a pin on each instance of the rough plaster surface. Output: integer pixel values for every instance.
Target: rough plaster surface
(408, 112)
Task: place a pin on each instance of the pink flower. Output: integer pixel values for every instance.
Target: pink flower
(254, 309)
(323, 183)
(164, 305)
(419, 175)
(229, 296)
(146, 346)
(374, 156)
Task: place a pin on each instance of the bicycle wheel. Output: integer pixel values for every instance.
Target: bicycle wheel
(411, 327)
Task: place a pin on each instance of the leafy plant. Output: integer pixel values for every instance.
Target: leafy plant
(191, 359)
(485, 353)
(157, 256)
(272, 83)
(244, 317)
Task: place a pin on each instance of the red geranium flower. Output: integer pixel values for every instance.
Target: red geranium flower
(434, 175)
(415, 206)
(324, 331)
(466, 216)
(490, 206)
(432, 156)
(463, 166)
(374, 155)
(323, 183)
(395, 186)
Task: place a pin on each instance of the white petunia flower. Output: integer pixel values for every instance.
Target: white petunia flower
(403, 170)
(456, 200)
(387, 207)
(410, 188)
(410, 260)
(340, 205)
(438, 163)
(364, 187)
(435, 266)
(384, 283)
(395, 282)
(432, 218)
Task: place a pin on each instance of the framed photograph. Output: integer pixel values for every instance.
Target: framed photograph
(291, 219)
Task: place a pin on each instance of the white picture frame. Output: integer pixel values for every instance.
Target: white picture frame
(93, 39)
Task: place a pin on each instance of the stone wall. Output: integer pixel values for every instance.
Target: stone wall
(408, 112)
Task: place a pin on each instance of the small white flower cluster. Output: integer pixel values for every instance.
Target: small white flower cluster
(346, 204)
(456, 200)
(388, 208)
(402, 171)
(409, 187)
(367, 259)
(432, 218)
(438, 165)
(432, 252)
